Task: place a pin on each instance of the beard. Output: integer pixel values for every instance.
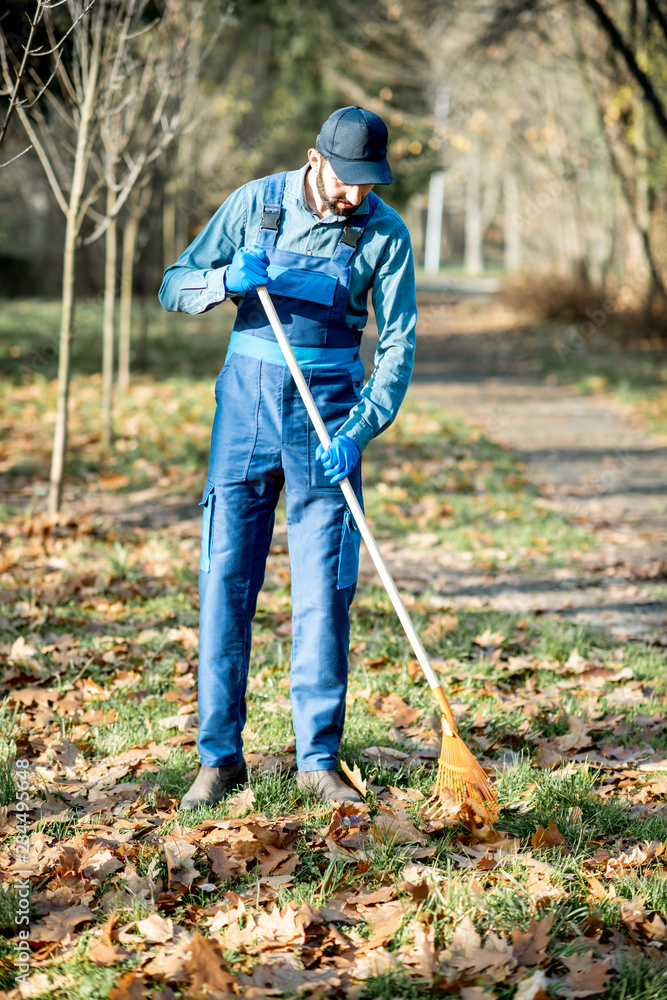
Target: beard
(333, 206)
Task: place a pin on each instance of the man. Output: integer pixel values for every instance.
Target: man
(320, 239)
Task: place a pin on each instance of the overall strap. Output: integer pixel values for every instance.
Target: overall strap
(267, 233)
(352, 234)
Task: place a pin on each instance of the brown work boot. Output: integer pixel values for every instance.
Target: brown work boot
(326, 785)
(213, 784)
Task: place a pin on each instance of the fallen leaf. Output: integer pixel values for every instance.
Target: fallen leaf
(206, 966)
(534, 987)
(587, 976)
(130, 986)
(530, 946)
(354, 774)
(180, 866)
(421, 954)
(549, 838)
(395, 828)
(241, 803)
(61, 924)
(156, 929)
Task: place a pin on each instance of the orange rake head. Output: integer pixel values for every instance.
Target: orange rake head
(460, 774)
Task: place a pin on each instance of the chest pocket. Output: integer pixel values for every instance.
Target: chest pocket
(303, 301)
(297, 283)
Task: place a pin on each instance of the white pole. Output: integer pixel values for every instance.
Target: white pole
(356, 511)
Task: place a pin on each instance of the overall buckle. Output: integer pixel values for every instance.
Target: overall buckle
(351, 236)
(271, 218)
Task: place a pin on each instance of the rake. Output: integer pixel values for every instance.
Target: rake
(458, 770)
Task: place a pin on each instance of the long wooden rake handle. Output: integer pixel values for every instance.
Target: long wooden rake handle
(358, 514)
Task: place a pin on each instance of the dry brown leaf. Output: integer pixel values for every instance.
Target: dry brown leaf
(587, 976)
(373, 963)
(395, 827)
(549, 838)
(156, 929)
(223, 864)
(206, 966)
(271, 858)
(547, 755)
(240, 803)
(354, 774)
(180, 866)
(130, 986)
(421, 954)
(533, 987)
(385, 919)
(42, 984)
(392, 706)
(530, 946)
(61, 924)
(273, 929)
(102, 953)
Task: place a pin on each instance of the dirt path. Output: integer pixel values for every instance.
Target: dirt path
(589, 455)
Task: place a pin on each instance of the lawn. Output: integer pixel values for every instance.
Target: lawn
(272, 893)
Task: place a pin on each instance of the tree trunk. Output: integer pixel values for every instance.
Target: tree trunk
(139, 203)
(433, 243)
(474, 262)
(108, 327)
(81, 158)
(169, 216)
(512, 228)
(64, 364)
(127, 267)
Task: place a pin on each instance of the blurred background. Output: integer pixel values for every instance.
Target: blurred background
(527, 140)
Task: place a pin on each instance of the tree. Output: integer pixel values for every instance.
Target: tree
(17, 52)
(102, 94)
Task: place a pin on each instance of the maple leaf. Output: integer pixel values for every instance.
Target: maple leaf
(130, 986)
(61, 924)
(156, 929)
(223, 864)
(354, 774)
(240, 803)
(421, 954)
(180, 866)
(549, 838)
(587, 977)
(395, 827)
(530, 945)
(206, 966)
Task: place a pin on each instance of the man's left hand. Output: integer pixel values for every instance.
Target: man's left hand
(339, 459)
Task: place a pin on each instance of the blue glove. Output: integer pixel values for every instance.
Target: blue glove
(340, 457)
(247, 270)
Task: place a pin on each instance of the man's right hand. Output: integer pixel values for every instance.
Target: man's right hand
(247, 270)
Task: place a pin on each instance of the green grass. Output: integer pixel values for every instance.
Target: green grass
(121, 591)
(600, 362)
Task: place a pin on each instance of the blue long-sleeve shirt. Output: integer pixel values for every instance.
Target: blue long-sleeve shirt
(383, 263)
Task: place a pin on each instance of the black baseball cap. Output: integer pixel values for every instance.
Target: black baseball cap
(354, 142)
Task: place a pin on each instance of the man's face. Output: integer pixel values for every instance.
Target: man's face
(338, 198)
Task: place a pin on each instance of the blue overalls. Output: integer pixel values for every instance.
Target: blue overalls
(261, 439)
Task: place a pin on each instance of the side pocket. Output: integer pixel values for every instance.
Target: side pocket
(208, 503)
(348, 557)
